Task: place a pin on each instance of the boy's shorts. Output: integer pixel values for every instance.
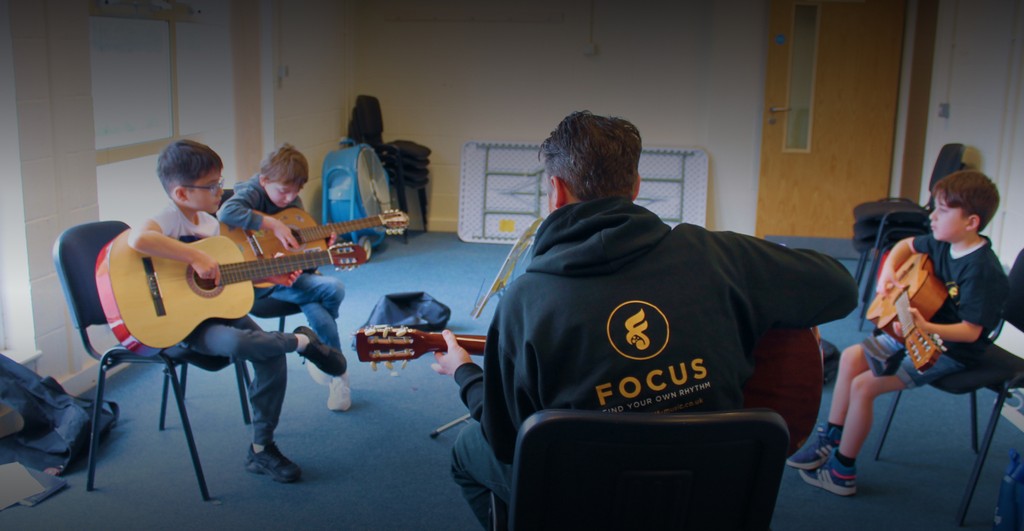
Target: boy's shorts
(884, 345)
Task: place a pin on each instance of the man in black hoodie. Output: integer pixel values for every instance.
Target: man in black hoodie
(618, 312)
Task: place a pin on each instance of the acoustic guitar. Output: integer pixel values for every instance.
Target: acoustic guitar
(923, 291)
(309, 234)
(153, 303)
(787, 368)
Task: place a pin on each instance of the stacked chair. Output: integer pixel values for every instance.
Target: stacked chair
(406, 162)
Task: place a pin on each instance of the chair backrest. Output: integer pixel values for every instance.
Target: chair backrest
(74, 257)
(950, 159)
(1013, 309)
(367, 124)
(588, 469)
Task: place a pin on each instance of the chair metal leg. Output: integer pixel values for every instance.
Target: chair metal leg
(888, 422)
(979, 462)
(423, 206)
(94, 439)
(242, 375)
(163, 402)
(858, 275)
(187, 427)
(974, 421)
(869, 287)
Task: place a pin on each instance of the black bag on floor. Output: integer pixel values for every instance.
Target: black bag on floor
(414, 309)
(56, 428)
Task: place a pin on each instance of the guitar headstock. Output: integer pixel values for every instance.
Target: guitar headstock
(388, 344)
(924, 349)
(347, 255)
(394, 221)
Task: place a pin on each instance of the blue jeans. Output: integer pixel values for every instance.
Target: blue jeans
(319, 296)
(479, 472)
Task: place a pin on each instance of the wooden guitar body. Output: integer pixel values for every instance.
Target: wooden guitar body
(926, 291)
(787, 375)
(146, 316)
(310, 234)
(153, 303)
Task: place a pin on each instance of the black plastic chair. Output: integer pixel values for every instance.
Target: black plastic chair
(405, 161)
(878, 225)
(74, 256)
(592, 470)
(997, 370)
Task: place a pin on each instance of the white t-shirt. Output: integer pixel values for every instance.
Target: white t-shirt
(174, 224)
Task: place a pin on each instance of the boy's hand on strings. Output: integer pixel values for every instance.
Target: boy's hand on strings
(887, 282)
(206, 267)
(282, 232)
(284, 279)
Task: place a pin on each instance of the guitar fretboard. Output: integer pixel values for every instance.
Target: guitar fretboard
(268, 267)
(322, 232)
(906, 318)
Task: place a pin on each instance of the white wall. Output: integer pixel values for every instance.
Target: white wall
(978, 70)
(686, 73)
(14, 282)
(311, 48)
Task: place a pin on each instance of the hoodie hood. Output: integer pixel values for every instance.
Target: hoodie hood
(595, 237)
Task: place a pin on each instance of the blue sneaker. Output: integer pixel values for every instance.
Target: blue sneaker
(816, 451)
(833, 477)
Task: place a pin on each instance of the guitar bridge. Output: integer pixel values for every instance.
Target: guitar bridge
(153, 283)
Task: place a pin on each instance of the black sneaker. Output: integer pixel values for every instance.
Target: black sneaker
(325, 357)
(271, 462)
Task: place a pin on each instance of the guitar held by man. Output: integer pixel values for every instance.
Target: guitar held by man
(787, 376)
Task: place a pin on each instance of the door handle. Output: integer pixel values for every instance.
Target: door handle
(778, 109)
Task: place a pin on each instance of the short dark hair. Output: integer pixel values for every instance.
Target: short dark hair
(285, 165)
(185, 162)
(596, 156)
(971, 191)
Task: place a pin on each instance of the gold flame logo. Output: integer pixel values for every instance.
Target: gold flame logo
(635, 327)
(637, 330)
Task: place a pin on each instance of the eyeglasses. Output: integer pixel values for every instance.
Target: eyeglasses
(212, 188)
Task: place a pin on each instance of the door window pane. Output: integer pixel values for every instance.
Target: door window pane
(801, 77)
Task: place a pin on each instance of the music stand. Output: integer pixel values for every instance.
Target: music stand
(501, 281)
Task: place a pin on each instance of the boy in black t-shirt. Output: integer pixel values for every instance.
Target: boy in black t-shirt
(976, 284)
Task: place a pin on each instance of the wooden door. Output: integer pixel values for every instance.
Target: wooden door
(842, 79)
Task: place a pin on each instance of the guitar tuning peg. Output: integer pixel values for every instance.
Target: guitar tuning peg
(389, 365)
(405, 363)
(373, 366)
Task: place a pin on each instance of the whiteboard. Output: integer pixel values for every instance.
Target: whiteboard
(131, 80)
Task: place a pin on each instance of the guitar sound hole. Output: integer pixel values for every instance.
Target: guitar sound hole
(203, 287)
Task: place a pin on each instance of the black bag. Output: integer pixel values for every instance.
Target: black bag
(414, 309)
(56, 429)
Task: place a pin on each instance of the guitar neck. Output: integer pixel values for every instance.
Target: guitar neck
(903, 314)
(436, 343)
(268, 267)
(322, 232)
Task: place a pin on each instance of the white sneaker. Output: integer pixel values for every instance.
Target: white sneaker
(317, 375)
(340, 398)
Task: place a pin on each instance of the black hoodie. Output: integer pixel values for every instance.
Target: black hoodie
(618, 312)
